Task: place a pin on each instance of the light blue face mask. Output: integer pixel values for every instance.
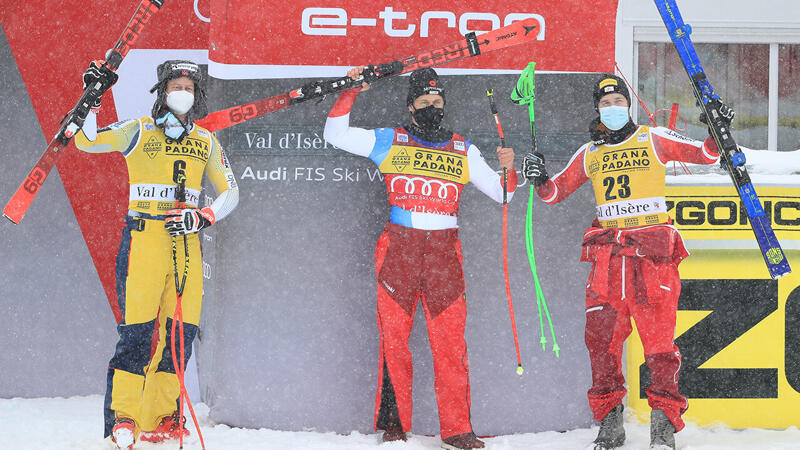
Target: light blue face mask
(172, 126)
(614, 117)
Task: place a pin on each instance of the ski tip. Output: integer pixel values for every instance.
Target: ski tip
(15, 220)
(529, 24)
(520, 370)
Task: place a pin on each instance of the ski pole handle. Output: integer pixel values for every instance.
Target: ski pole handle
(490, 94)
(180, 191)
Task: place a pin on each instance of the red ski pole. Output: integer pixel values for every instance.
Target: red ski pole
(520, 370)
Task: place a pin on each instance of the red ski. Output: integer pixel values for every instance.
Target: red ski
(72, 122)
(471, 45)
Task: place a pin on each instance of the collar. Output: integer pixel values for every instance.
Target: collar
(439, 135)
(601, 135)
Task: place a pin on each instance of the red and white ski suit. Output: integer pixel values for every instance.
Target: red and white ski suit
(418, 256)
(635, 254)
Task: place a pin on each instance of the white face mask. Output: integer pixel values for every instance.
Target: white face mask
(180, 102)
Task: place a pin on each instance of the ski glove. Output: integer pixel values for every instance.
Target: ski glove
(533, 168)
(188, 220)
(100, 76)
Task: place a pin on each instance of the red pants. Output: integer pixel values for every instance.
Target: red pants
(624, 284)
(405, 261)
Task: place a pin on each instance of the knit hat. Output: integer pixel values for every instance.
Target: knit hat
(609, 84)
(421, 82)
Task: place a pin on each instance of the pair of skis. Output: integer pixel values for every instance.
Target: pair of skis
(732, 157)
(73, 121)
(471, 45)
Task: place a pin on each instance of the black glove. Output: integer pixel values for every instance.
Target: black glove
(97, 73)
(533, 168)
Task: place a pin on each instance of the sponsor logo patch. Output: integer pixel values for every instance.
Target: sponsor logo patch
(427, 162)
(608, 82)
(677, 136)
(152, 147)
(117, 125)
(459, 145)
(401, 159)
(191, 148)
(594, 166)
(642, 137)
(149, 127)
(202, 133)
(402, 137)
(428, 187)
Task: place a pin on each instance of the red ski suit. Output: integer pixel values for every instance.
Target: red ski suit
(634, 261)
(418, 256)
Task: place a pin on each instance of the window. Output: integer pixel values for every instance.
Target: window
(739, 74)
(788, 97)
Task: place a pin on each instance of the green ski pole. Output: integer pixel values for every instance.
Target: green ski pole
(523, 94)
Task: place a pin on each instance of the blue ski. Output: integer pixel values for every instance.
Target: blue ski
(732, 157)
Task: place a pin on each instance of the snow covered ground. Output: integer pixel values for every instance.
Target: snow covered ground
(75, 423)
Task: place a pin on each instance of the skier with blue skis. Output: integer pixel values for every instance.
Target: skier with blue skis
(634, 251)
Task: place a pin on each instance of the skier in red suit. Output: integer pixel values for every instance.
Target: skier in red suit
(634, 251)
(418, 256)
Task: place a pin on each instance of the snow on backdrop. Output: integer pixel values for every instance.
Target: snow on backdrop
(764, 167)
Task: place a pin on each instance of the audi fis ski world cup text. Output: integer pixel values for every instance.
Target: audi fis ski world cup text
(318, 21)
(313, 174)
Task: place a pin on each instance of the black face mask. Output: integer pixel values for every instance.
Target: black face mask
(428, 118)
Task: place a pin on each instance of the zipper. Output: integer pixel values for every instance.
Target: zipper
(623, 277)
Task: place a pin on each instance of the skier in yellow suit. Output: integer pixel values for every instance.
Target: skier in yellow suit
(142, 391)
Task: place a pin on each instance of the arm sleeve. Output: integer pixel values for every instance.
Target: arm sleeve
(219, 172)
(338, 131)
(486, 179)
(118, 137)
(567, 181)
(671, 146)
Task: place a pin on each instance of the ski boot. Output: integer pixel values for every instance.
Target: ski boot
(462, 442)
(662, 432)
(167, 429)
(123, 433)
(394, 433)
(612, 431)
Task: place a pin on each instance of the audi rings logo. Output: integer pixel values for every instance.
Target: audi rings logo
(427, 186)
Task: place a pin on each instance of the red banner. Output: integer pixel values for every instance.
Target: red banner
(574, 35)
(53, 42)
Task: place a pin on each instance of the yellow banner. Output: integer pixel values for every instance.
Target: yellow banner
(738, 330)
(410, 160)
(716, 212)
